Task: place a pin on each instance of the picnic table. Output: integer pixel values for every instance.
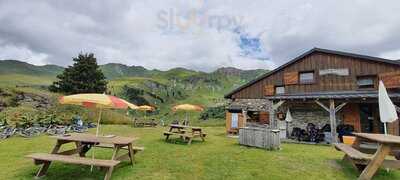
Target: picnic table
(83, 143)
(368, 162)
(187, 133)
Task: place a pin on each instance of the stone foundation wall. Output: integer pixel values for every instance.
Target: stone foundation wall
(302, 115)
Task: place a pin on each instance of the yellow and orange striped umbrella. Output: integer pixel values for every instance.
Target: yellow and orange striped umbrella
(97, 101)
(146, 108)
(187, 107)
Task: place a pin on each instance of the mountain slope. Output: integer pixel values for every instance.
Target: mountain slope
(18, 67)
(139, 84)
(113, 70)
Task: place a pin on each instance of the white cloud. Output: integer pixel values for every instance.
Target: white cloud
(23, 54)
(394, 55)
(194, 34)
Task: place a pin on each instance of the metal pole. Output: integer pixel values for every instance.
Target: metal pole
(97, 134)
(385, 128)
(98, 122)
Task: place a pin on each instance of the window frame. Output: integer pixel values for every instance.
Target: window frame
(307, 72)
(280, 86)
(367, 87)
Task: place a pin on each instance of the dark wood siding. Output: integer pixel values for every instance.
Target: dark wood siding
(315, 62)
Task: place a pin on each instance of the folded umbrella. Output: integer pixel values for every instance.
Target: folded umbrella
(387, 111)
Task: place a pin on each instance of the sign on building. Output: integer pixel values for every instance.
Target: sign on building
(338, 72)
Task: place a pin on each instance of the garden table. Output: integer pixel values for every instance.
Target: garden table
(84, 142)
(182, 131)
(387, 144)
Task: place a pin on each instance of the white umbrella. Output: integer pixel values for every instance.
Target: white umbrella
(288, 116)
(288, 119)
(387, 111)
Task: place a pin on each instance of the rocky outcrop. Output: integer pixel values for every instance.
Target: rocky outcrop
(37, 101)
(3, 105)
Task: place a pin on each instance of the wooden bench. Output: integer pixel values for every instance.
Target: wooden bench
(136, 149)
(357, 159)
(41, 158)
(186, 136)
(352, 152)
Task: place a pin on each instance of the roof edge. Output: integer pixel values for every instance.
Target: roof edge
(315, 49)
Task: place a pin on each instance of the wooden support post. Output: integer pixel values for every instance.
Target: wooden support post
(271, 117)
(272, 109)
(244, 113)
(332, 116)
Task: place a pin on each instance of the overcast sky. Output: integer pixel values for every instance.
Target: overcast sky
(196, 34)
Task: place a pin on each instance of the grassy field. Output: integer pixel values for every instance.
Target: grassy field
(217, 158)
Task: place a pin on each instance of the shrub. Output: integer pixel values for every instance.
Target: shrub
(213, 113)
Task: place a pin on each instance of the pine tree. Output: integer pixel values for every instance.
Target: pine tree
(84, 76)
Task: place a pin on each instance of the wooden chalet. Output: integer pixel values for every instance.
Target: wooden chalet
(322, 87)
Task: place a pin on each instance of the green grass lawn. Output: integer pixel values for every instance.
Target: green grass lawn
(217, 158)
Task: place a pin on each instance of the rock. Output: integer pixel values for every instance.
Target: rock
(3, 105)
(37, 101)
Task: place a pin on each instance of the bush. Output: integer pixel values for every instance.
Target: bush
(213, 113)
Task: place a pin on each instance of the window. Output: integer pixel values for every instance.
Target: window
(280, 90)
(365, 82)
(306, 77)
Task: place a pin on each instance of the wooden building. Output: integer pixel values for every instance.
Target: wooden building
(326, 87)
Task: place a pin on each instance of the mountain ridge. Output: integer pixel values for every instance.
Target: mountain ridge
(118, 70)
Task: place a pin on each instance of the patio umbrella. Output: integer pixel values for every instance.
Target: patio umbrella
(288, 120)
(145, 108)
(387, 111)
(186, 108)
(99, 101)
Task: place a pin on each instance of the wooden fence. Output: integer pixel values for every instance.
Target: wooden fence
(265, 138)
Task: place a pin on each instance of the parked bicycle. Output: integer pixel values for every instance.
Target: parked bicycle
(6, 132)
(28, 132)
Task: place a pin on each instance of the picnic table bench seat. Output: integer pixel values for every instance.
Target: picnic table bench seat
(352, 152)
(41, 158)
(136, 149)
(183, 134)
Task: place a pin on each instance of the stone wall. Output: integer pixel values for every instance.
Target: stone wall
(303, 114)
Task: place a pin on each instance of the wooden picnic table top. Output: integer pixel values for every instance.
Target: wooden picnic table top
(183, 126)
(380, 138)
(91, 138)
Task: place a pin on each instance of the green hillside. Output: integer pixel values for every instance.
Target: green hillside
(136, 84)
(18, 67)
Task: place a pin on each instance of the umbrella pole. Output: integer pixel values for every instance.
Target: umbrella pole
(384, 125)
(98, 122)
(187, 118)
(97, 134)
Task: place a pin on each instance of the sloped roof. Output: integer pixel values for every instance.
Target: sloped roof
(341, 53)
(332, 95)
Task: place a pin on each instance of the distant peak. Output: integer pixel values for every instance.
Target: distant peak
(229, 71)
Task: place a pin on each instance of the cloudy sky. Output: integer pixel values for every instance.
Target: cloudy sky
(196, 34)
